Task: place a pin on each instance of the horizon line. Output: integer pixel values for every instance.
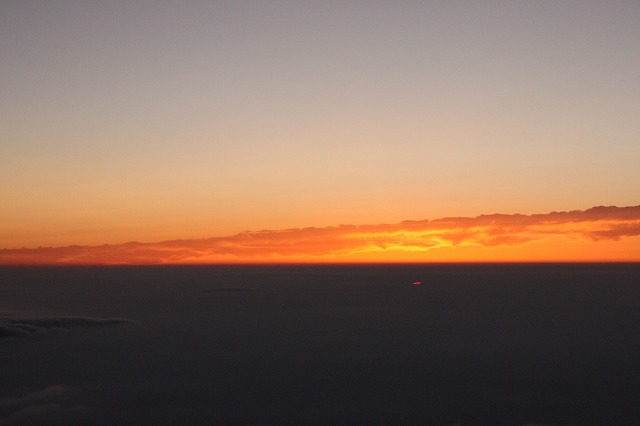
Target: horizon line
(511, 238)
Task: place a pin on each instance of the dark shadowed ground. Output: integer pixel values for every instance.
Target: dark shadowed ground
(474, 344)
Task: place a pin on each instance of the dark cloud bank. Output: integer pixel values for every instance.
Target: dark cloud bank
(20, 327)
(473, 345)
(52, 405)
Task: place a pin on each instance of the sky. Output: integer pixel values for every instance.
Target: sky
(153, 121)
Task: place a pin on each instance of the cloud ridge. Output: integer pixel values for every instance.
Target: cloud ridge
(602, 223)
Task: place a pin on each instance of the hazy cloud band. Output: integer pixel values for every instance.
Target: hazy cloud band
(23, 326)
(595, 224)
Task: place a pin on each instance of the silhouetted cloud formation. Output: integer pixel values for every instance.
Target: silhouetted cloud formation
(595, 224)
(19, 327)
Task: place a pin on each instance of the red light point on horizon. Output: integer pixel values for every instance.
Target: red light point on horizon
(416, 282)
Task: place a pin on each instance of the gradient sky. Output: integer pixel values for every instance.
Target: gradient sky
(156, 120)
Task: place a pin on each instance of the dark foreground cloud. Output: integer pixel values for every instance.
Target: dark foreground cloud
(595, 224)
(48, 406)
(24, 326)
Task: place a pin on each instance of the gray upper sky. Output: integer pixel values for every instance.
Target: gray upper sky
(159, 119)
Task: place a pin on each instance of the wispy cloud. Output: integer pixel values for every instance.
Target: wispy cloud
(15, 326)
(595, 224)
(47, 406)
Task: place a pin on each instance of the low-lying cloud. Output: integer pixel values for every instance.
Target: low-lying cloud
(25, 326)
(595, 224)
(49, 406)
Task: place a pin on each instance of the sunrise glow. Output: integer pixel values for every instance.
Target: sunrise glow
(223, 212)
(262, 132)
(597, 234)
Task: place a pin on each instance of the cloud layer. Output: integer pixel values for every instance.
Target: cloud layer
(595, 224)
(20, 326)
(49, 406)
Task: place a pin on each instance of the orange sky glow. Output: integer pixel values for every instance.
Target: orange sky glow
(253, 132)
(593, 235)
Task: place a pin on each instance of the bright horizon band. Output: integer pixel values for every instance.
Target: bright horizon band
(593, 235)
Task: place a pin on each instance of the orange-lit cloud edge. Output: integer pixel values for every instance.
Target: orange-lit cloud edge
(599, 234)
